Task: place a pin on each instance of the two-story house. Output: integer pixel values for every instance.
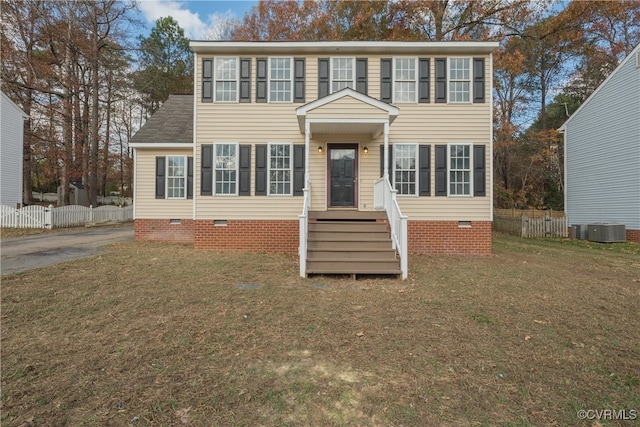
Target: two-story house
(353, 154)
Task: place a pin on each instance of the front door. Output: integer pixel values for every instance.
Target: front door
(342, 175)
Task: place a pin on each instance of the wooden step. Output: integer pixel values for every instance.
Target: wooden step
(348, 226)
(350, 242)
(349, 215)
(352, 254)
(353, 267)
(330, 244)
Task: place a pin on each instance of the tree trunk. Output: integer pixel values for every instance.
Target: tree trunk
(105, 150)
(27, 182)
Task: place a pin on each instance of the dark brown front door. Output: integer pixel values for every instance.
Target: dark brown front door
(343, 176)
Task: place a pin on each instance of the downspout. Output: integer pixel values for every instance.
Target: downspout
(491, 138)
(195, 97)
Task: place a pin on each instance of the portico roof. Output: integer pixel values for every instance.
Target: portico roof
(361, 115)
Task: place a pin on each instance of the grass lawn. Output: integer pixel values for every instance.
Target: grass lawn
(159, 334)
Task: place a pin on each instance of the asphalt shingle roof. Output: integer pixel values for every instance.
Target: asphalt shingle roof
(172, 123)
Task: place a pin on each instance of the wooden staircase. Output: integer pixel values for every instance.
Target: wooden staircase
(350, 242)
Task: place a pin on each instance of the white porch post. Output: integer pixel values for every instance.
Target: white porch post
(386, 149)
(307, 153)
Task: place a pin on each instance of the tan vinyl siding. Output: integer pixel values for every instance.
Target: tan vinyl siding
(262, 123)
(147, 206)
(347, 108)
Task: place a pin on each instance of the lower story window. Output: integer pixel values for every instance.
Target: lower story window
(176, 173)
(405, 168)
(280, 169)
(460, 170)
(226, 164)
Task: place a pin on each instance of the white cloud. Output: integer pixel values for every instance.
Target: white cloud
(194, 27)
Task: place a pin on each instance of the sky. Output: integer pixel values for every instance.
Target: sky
(195, 17)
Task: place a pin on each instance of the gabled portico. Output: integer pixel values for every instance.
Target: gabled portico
(345, 113)
(338, 118)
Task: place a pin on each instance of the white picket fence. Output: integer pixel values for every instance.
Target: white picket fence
(64, 216)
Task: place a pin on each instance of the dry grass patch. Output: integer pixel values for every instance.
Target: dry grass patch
(160, 334)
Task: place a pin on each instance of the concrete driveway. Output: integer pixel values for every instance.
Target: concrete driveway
(41, 250)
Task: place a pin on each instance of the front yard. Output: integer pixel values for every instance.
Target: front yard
(160, 334)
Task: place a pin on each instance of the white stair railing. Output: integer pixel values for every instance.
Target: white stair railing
(304, 227)
(384, 197)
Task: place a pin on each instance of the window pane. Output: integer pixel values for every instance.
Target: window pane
(459, 169)
(341, 73)
(225, 164)
(280, 83)
(405, 168)
(405, 83)
(459, 79)
(280, 169)
(226, 75)
(176, 172)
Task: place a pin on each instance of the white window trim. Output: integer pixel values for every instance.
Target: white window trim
(470, 145)
(269, 145)
(393, 73)
(449, 81)
(237, 80)
(353, 68)
(166, 180)
(291, 79)
(237, 169)
(393, 171)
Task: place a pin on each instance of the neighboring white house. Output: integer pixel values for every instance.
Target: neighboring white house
(11, 141)
(602, 152)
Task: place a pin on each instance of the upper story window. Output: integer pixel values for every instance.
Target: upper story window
(226, 169)
(226, 79)
(176, 177)
(404, 168)
(280, 77)
(459, 79)
(459, 169)
(280, 165)
(405, 80)
(342, 73)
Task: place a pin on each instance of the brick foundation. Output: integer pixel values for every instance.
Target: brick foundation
(449, 237)
(633, 236)
(425, 237)
(163, 230)
(248, 235)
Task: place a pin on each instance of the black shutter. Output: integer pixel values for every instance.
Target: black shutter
(361, 75)
(441, 80)
(298, 169)
(206, 170)
(423, 80)
(441, 170)
(207, 80)
(189, 177)
(389, 165)
(261, 170)
(160, 177)
(244, 181)
(298, 82)
(424, 172)
(261, 80)
(386, 80)
(245, 79)
(479, 171)
(478, 80)
(323, 77)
